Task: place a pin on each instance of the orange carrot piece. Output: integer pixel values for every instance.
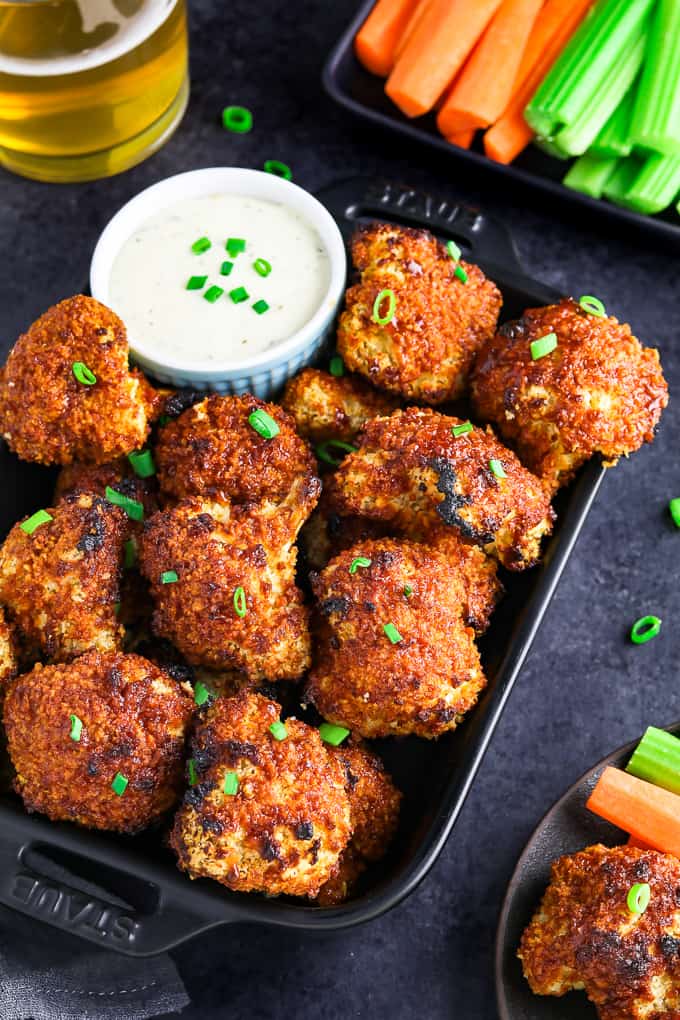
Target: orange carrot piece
(439, 46)
(484, 87)
(376, 41)
(645, 811)
(463, 139)
(417, 14)
(639, 843)
(553, 28)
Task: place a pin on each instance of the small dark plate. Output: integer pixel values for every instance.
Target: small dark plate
(567, 828)
(351, 85)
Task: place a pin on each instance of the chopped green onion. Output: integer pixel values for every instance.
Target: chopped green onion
(76, 727)
(359, 561)
(385, 295)
(142, 463)
(239, 294)
(226, 268)
(201, 693)
(261, 307)
(116, 608)
(130, 556)
(203, 244)
(461, 274)
(213, 293)
(83, 374)
(262, 267)
(638, 897)
(544, 345)
(237, 119)
(461, 430)
(656, 759)
(230, 786)
(453, 250)
(33, 522)
(235, 245)
(674, 508)
(132, 507)
(331, 734)
(240, 606)
(497, 469)
(590, 173)
(279, 169)
(408, 591)
(193, 777)
(263, 424)
(119, 784)
(322, 450)
(169, 577)
(278, 731)
(655, 123)
(196, 282)
(592, 305)
(336, 366)
(392, 633)
(644, 629)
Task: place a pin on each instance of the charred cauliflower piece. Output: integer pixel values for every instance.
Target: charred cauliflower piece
(327, 407)
(598, 391)
(133, 718)
(60, 582)
(9, 653)
(412, 471)
(47, 415)
(287, 820)
(117, 474)
(583, 936)
(426, 351)
(392, 652)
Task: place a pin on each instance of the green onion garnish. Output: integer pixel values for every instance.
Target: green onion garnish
(132, 507)
(461, 430)
(226, 268)
(230, 786)
(497, 469)
(453, 250)
(142, 463)
(261, 307)
(116, 608)
(235, 245)
(213, 293)
(169, 577)
(461, 274)
(638, 897)
(83, 374)
(193, 778)
(336, 366)
(76, 727)
(278, 731)
(592, 305)
(674, 508)
(263, 424)
(544, 345)
(119, 784)
(196, 282)
(322, 451)
(240, 607)
(279, 169)
(359, 561)
(385, 295)
(33, 522)
(262, 267)
(332, 734)
(644, 629)
(201, 693)
(392, 633)
(237, 119)
(239, 294)
(130, 556)
(408, 591)
(203, 244)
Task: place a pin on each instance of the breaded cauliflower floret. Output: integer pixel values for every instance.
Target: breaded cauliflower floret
(9, 653)
(392, 652)
(477, 572)
(60, 583)
(583, 935)
(598, 391)
(374, 803)
(327, 407)
(118, 474)
(212, 451)
(327, 532)
(133, 719)
(284, 828)
(425, 352)
(47, 415)
(412, 471)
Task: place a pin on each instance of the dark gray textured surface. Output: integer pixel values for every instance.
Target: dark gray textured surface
(584, 690)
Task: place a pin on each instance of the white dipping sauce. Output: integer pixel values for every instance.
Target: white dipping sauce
(150, 273)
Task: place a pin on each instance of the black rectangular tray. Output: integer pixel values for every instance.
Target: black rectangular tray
(126, 893)
(353, 87)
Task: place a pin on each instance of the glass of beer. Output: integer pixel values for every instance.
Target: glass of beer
(89, 87)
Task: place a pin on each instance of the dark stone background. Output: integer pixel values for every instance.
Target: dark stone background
(584, 689)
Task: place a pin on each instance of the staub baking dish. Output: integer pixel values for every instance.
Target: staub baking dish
(126, 894)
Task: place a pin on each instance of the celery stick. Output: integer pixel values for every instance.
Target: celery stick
(623, 178)
(613, 139)
(590, 173)
(656, 186)
(592, 54)
(657, 759)
(550, 146)
(656, 117)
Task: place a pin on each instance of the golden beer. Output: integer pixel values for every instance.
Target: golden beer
(89, 87)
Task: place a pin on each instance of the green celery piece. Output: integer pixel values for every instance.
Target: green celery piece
(656, 117)
(613, 139)
(590, 173)
(550, 146)
(656, 759)
(656, 186)
(623, 178)
(604, 36)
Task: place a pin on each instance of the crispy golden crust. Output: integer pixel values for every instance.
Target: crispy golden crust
(327, 532)
(412, 471)
(426, 351)
(46, 415)
(134, 718)
(60, 584)
(422, 684)
(118, 474)
(599, 391)
(477, 571)
(583, 936)
(327, 407)
(212, 451)
(9, 653)
(285, 828)
(374, 803)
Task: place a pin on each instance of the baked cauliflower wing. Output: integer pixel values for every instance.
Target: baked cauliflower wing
(330, 407)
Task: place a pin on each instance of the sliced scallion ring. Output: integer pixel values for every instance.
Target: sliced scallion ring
(278, 731)
(387, 294)
(119, 784)
(392, 633)
(323, 450)
(142, 463)
(644, 629)
(638, 897)
(76, 728)
(674, 510)
(201, 245)
(132, 507)
(359, 561)
(332, 734)
(83, 374)
(169, 577)
(262, 267)
(279, 169)
(497, 469)
(35, 520)
(544, 345)
(336, 366)
(237, 119)
(263, 424)
(201, 693)
(240, 606)
(461, 430)
(592, 305)
(230, 785)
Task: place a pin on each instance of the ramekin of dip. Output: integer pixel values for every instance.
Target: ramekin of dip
(227, 279)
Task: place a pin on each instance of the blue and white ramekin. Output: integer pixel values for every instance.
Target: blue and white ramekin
(263, 373)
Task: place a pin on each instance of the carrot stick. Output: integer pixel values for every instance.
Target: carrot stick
(439, 45)
(647, 812)
(417, 14)
(553, 28)
(483, 89)
(376, 41)
(639, 843)
(463, 139)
